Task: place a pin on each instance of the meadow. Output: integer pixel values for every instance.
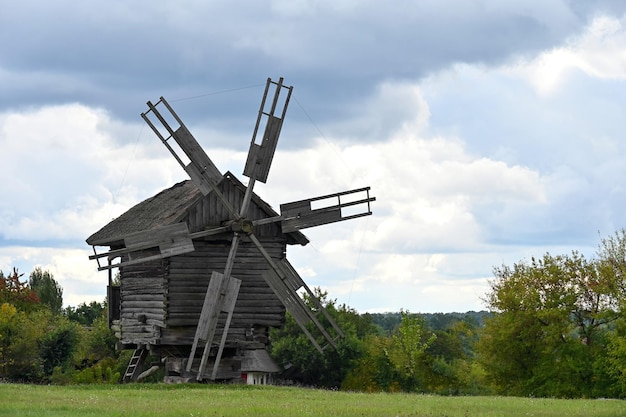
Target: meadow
(240, 400)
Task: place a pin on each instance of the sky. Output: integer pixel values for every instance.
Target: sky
(489, 132)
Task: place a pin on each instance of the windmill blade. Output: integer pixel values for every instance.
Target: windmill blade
(260, 155)
(201, 169)
(285, 282)
(329, 209)
(221, 296)
(297, 283)
(219, 291)
(257, 167)
(171, 240)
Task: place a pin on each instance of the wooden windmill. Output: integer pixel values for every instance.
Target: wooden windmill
(230, 237)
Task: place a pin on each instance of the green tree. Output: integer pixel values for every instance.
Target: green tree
(450, 362)
(47, 289)
(100, 341)
(21, 333)
(549, 332)
(612, 255)
(8, 321)
(374, 371)
(407, 349)
(85, 314)
(58, 345)
(292, 349)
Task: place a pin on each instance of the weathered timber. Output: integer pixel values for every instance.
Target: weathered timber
(161, 300)
(228, 368)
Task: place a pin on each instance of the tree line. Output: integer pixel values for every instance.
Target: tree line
(41, 342)
(554, 327)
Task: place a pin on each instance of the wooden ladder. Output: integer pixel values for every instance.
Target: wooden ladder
(135, 365)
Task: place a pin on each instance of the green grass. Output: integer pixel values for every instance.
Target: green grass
(233, 400)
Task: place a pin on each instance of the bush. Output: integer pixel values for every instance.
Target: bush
(57, 347)
(104, 372)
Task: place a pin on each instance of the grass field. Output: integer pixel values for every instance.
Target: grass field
(233, 400)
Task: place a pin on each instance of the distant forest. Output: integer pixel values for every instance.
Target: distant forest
(388, 322)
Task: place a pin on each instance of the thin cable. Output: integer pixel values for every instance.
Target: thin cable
(216, 93)
(132, 158)
(330, 144)
(358, 258)
(143, 127)
(334, 148)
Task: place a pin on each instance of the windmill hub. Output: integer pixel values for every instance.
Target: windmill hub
(242, 225)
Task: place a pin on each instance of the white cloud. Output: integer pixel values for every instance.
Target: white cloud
(71, 268)
(69, 175)
(476, 165)
(599, 52)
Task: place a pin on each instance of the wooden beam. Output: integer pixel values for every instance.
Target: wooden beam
(229, 307)
(301, 214)
(260, 156)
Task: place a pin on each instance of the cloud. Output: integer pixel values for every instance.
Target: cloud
(598, 52)
(68, 172)
(71, 268)
(141, 50)
(488, 131)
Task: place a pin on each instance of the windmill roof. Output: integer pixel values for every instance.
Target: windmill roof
(259, 360)
(167, 207)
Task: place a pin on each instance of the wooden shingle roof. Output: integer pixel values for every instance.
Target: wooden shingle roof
(165, 208)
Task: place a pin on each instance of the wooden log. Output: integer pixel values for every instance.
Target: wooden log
(141, 314)
(143, 304)
(137, 296)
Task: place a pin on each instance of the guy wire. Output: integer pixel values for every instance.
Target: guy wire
(334, 148)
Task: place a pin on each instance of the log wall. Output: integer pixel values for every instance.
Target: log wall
(188, 279)
(161, 301)
(143, 302)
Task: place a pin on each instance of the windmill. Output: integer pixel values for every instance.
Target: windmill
(176, 239)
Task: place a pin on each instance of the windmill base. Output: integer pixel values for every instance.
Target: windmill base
(248, 367)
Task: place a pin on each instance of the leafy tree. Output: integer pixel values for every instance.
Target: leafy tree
(291, 348)
(57, 346)
(612, 255)
(8, 320)
(450, 366)
(409, 343)
(85, 314)
(549, 333)
(100, 341)
(387, 322)
(374, 371)
(21, 333)
(17, 293)
(47, 289)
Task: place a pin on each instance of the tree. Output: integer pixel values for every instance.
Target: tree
(85, 314)
(408, 346)
(17, 293)
(47, 289)
(549, 332)
(612, 255)
(8, 321)
(21, 333)
(374, 371)
(57, 346)
(291, 348)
